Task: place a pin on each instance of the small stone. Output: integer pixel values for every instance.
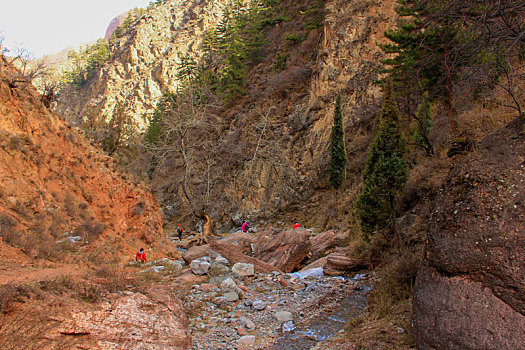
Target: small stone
(199, 266)
(283, 282)
(217, 269)
(222, 260)
(243, 269)
(219, 300)
(288, 326)
(206, 258)
(399, 329)
(231, 296)
(228, 284)
(241, 331)
(259, 305)
(297, 286)
(283, 316)
(246, 342)
(246, 322)
(155, 269)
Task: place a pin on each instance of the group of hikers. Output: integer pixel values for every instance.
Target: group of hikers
(141, 255)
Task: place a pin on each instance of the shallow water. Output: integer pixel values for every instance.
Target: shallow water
(326, 324)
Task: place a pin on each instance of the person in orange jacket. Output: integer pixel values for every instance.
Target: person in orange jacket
(141, 255)
(296, 225)
(179, 232)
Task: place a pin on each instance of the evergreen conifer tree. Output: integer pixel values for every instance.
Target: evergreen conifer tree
(338, 158)
(385, 171)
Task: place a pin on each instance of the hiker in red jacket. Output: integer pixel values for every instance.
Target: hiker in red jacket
(296, 225)
(141, 255)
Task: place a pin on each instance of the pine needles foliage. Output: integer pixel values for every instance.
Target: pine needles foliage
(386, 170)
(338, 157)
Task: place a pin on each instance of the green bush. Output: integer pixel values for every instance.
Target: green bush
(293, 38)
(280, 61)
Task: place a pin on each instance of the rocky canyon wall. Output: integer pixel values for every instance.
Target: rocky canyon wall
(469, 292)
(285, 166)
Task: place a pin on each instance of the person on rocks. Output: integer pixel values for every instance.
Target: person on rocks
(141, 255)
(179, 232)
(296, 225)
(245, 227)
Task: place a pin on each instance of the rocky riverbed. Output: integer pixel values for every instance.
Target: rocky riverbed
(231, 307)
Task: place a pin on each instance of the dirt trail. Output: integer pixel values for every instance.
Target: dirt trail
(29, 274)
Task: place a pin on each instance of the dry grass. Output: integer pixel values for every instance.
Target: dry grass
(389, 332)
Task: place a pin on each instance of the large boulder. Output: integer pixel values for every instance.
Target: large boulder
(324, 243)
(469, 292)
(229, 252)
(196, 252)
(337, 263)
(287, 249)
(242, 241)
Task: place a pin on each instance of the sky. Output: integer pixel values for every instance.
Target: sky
(48, 26)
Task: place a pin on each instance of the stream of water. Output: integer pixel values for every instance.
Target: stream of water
(326, 324)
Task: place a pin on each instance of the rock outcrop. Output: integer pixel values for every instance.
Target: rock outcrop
(154, 320)
(469, 292)
(115, 22)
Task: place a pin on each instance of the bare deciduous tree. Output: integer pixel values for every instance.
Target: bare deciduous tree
(26, 69)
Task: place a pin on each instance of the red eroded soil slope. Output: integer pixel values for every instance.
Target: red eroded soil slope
(55, 185)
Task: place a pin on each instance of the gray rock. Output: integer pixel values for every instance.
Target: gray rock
(247, 323)
(231, 296)
(236, 219)
(200, 266)
(283, 316)
(314, 272)
(217, 269)
(244, 269)
(246, 342)
(222, 260)
(217, 280)
(228, 284)
(259, 305)
(156, 269)
(288, 326)
(219, 300)
(74, 239)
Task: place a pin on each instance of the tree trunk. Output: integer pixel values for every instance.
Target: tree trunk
(207, 229)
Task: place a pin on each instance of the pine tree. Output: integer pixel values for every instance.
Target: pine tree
(385, 171)
(338, 158)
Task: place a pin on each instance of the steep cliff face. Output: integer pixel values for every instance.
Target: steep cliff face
(279, 167)
(55, 186)
(115, 22)
(469, 292)
(144, 64)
